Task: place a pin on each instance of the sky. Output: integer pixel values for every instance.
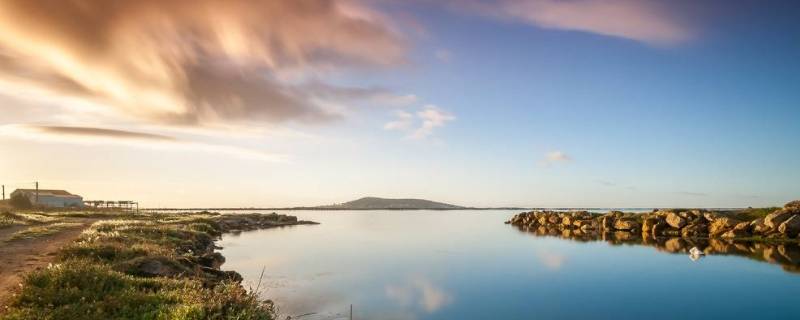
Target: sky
(536, 103)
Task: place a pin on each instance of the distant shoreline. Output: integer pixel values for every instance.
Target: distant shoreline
(418, 209)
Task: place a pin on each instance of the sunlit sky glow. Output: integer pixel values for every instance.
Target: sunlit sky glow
(475, 102)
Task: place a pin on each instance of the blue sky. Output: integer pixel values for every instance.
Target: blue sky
(531, 103)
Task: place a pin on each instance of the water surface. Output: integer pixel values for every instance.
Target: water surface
(469, 265)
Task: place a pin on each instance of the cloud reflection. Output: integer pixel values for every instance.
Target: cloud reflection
(419, 293)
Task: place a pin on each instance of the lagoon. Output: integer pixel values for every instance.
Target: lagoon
(470, 265)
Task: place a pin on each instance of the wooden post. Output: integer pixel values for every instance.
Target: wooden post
(37, 194)
(351, 312)
(4, 192)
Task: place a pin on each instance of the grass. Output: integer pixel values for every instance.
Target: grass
(102, 275)
(41, 231)
(753, 213)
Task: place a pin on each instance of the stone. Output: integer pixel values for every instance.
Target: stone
(793, 205)
(648, 223)
(733, 233)
(567, 220)
(757, 226)
(554, 219)
(626, 225)
(675, 220)
(710, 216)
(675, 245)
(694, 231)
(774, 220)
(790, 227)
(607, 223)
(721, 225)
(658, 229)
(742, 226)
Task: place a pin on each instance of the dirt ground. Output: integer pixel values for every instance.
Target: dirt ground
(20, 256)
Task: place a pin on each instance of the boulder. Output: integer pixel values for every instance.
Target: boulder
(567, 220)
(742, 226)
(793, 205)
(721, 225)
(790, 227)
(542, 220)
(757, 226)
(626, 225)
(675, 245)
(554, 219)
(710, 216)
(774, 220)
(675, 220)
(580, 224)
(694, 231)
(648, 223)
(733, 233)
(658, 229)
(607, 223)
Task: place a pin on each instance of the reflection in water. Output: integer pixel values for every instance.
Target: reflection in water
(443, 265)
(419, 292)
(786, 254)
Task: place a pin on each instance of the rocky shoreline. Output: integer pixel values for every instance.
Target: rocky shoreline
(772, 238)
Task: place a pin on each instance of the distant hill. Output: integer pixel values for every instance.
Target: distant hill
(373, 203)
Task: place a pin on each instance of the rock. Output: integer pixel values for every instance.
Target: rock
(554, 219)
(710, 216)
(648, 223)
(580, 224)
(542, 220)
(567, 220)
(757, 226)
(721, 225)
(658, 229)
(607, 223)
(742, 226)
(733, 233)
(792, 205)
(774, 220)
(790, 227)
(694, 231)
(675, 220)
(675, 245)
(626, 225)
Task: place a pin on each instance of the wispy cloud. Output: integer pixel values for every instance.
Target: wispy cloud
(99, 132)
(421, 124)
(112, 137)
(554, 157)
(195, 62)
(640, 20)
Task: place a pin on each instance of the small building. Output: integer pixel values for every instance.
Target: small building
(50, 198)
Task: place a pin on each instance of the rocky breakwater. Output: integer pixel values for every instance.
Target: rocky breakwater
(781, 224)
(766, 235)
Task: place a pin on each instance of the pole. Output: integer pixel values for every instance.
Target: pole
(4, 192)
(37, 192)
(351, 312)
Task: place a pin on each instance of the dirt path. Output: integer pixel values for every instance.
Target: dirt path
(20, 256)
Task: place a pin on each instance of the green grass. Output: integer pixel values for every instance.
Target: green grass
(753, 213)
(82, 289)
(100, 275)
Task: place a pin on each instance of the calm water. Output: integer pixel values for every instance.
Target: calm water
(469, 265)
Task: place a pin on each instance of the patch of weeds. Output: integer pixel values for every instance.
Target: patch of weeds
(41, 231)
